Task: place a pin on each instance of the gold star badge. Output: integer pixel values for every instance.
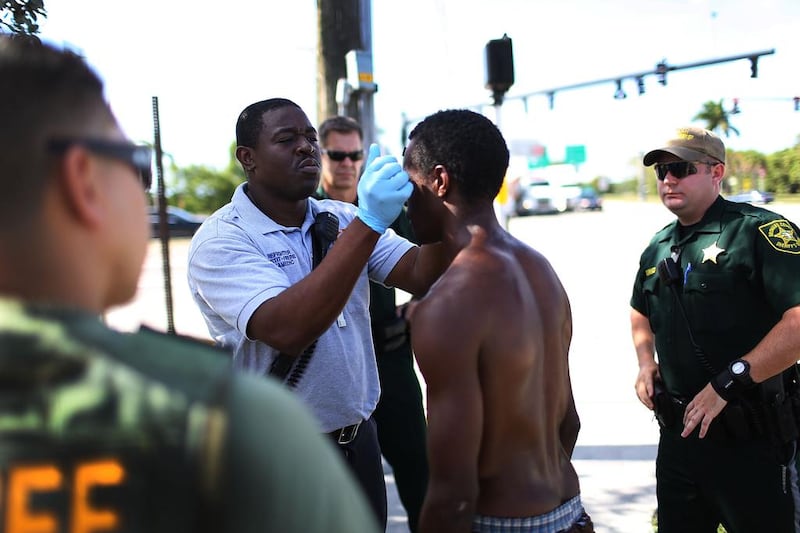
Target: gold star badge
(710, 253)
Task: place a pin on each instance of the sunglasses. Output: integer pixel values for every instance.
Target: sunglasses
(680, 169)
(336, 155)
(137, 156)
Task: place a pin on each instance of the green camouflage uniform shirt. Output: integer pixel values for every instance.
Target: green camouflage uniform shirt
(109, 431)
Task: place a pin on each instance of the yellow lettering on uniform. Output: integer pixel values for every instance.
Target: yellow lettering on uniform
(22, 481)
(86, 519)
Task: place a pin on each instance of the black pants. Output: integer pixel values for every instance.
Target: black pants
(363, 456)
(402, 428)
(741, 485)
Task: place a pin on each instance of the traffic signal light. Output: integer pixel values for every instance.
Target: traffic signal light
(640, 84)
(619, 94)
(661, 72)
(499, 67)
(754, 67)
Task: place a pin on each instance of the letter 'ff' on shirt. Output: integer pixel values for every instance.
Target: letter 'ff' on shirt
(110, 430)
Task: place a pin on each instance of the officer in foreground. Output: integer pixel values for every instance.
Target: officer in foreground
(123, 432)
(717, 297)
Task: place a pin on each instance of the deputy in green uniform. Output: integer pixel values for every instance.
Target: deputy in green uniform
(399, 415)
(716, 326)
(124, 432)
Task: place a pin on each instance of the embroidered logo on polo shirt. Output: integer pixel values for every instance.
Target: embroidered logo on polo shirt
(282, 258)
(781, 235)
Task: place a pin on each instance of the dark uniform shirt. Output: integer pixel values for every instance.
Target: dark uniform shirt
(382, 303)
(740, 270)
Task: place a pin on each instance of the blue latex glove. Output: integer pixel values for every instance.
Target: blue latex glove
(382, 190)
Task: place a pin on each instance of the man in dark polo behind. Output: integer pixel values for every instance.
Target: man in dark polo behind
(400, 414)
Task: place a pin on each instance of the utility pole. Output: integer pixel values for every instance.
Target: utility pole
(344, 62)
(338, 33)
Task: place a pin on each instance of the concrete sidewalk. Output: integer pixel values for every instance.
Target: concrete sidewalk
(619, 494)
(617, 489)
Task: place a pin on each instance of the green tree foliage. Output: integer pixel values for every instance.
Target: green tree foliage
(202, 189)
(21, 16)
(748, 168)
(783, 174)
(716, 118)
(778, 172)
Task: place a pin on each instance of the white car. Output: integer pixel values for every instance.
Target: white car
(538, 198)
(752, 197)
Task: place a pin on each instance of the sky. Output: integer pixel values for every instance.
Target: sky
(206, 61)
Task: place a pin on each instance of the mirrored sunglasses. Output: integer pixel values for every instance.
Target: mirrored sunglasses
(336, 155)
(679, 169)
(137, 156)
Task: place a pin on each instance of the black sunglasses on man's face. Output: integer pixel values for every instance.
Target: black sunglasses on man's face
(137, 156)
(679, 169)
(336, 155)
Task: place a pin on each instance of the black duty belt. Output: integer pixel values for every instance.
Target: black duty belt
(345, 435)
(736, 422)
(769, 411)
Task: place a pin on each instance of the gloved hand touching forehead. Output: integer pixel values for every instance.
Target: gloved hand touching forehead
(382, 190)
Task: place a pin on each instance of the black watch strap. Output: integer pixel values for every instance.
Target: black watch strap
(724, 384)
(730, 384)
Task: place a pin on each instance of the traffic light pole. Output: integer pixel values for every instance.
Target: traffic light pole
(661, 70)
(499, 63)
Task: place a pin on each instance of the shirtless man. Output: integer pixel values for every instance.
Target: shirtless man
(491, 338)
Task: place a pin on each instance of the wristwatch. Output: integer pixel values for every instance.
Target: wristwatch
(740, 370)
(733, 380)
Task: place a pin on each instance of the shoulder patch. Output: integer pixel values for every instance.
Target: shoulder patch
(781, 235)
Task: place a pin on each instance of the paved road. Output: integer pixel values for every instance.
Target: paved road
(596, 255)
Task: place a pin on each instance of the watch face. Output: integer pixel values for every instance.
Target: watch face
(738, 368)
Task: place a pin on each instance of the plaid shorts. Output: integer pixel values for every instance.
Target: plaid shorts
(559, 519)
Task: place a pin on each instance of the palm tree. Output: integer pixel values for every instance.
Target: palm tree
(716, 118)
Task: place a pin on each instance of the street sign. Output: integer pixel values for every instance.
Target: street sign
(576, 154)
(540, 160)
